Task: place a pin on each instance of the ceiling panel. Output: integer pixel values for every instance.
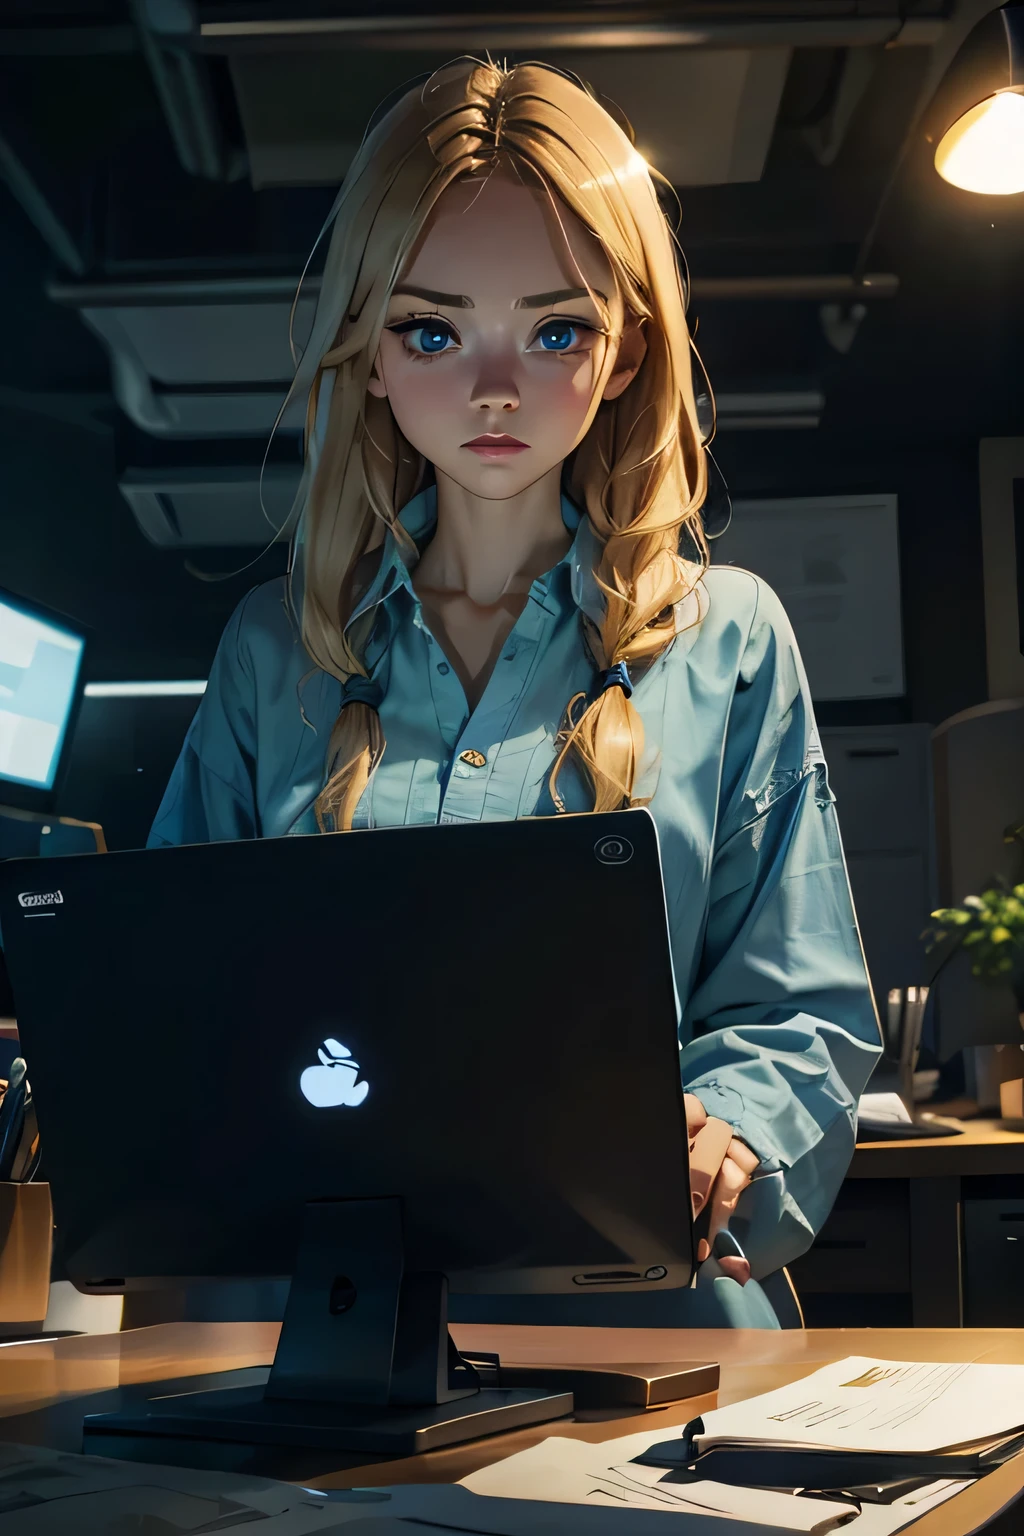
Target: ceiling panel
(704, 117)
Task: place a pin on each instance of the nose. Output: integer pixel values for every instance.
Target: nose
(495, 393)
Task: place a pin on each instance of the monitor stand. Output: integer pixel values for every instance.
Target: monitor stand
(364, 1362)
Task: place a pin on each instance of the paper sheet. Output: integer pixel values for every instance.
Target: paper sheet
(451, 1508)
(565, 1471)
(882, 1109)
(861, 1404)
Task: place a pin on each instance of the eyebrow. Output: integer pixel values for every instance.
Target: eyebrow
(557, 296)
(432, 296)
(463, 301)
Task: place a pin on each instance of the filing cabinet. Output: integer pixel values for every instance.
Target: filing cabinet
(881, 778)
(993, 1248)
(863, 1248)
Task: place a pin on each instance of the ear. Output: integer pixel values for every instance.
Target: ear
(631, 353)
(375, 384)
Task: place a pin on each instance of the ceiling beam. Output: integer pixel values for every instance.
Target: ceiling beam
(25, 179)
(818, 288)
(684, 23)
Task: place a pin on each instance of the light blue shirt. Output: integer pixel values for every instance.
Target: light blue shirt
(778, 1030)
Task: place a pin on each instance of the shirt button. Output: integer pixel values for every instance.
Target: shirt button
(474, 759)
(443, 668)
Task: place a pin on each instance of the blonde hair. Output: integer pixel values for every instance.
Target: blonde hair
(639, 474)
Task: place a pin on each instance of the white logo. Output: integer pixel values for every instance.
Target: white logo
(333, 1082)
(614, 850)
(40, 899)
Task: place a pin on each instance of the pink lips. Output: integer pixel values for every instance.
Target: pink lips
(495, 445)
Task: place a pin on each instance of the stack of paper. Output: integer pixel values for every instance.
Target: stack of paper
(565, 1471)
(861, 1404)
(858, 1405)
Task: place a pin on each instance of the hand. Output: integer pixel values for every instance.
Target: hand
(733, 1176)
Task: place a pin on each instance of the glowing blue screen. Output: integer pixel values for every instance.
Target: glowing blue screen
(39, 667)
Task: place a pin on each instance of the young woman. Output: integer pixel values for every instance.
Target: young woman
(500, 606)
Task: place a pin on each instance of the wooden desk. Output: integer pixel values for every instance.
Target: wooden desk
(46, 1388)
(937, 1173)
(985, 1147)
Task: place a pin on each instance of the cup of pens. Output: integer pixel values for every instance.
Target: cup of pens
(26, 1216)
(904, 1022)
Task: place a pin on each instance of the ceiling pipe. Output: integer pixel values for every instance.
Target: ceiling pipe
(816, 288)
(683, 24)
(185, 93)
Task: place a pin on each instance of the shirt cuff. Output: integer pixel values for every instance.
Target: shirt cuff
(726, 1104)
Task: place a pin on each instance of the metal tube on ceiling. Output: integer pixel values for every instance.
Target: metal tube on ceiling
(185, 97)
(422, 33)
(817, 288)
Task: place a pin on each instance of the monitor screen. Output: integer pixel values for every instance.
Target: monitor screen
(40, 670)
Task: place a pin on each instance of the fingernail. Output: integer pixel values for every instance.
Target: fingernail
(703, 1249)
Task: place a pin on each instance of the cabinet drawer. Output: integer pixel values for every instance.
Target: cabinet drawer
(881, 780)
(864, 1245)
(994, 1262)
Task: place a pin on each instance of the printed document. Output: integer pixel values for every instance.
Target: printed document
(861, 1404)
(564, 1471)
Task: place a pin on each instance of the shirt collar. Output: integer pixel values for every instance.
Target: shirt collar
(419, 516)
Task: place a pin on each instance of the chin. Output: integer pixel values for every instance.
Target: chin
(496, 481)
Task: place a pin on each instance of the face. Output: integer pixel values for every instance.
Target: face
(494, 357)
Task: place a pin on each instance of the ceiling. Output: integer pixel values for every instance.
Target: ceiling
(168, 164)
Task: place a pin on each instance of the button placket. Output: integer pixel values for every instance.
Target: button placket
(445, 688)
(479, 746)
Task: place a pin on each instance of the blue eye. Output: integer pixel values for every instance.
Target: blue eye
(556, 336)
(425, 338)
(432, 338)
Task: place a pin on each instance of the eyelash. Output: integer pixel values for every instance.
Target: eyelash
(419, 322)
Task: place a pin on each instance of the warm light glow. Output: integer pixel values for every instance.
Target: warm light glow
(984, 149)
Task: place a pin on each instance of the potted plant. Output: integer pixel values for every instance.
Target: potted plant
(990, 926)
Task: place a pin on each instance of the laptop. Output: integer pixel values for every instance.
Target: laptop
(479, 1021)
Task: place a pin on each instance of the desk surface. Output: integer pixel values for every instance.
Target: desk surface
(38, 1376)
(984, 1147)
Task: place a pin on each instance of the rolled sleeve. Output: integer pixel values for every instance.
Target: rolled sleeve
(211, 793)
(781, 1029)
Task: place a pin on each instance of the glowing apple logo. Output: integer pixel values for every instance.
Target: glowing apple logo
(333, 1082)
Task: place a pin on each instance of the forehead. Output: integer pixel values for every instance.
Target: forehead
(498, 238)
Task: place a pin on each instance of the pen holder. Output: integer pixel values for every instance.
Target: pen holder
(905, 1019)
(26, 1246)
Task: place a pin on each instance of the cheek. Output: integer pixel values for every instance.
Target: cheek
(562, 386)
(419, 393)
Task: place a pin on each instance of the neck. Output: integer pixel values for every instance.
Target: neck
(486, 548)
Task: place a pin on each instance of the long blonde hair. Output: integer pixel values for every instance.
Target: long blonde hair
(639, 474)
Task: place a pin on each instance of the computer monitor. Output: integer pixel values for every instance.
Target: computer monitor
(41, 656)
(380, 1063)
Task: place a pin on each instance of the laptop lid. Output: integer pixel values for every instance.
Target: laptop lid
(478, 1019)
